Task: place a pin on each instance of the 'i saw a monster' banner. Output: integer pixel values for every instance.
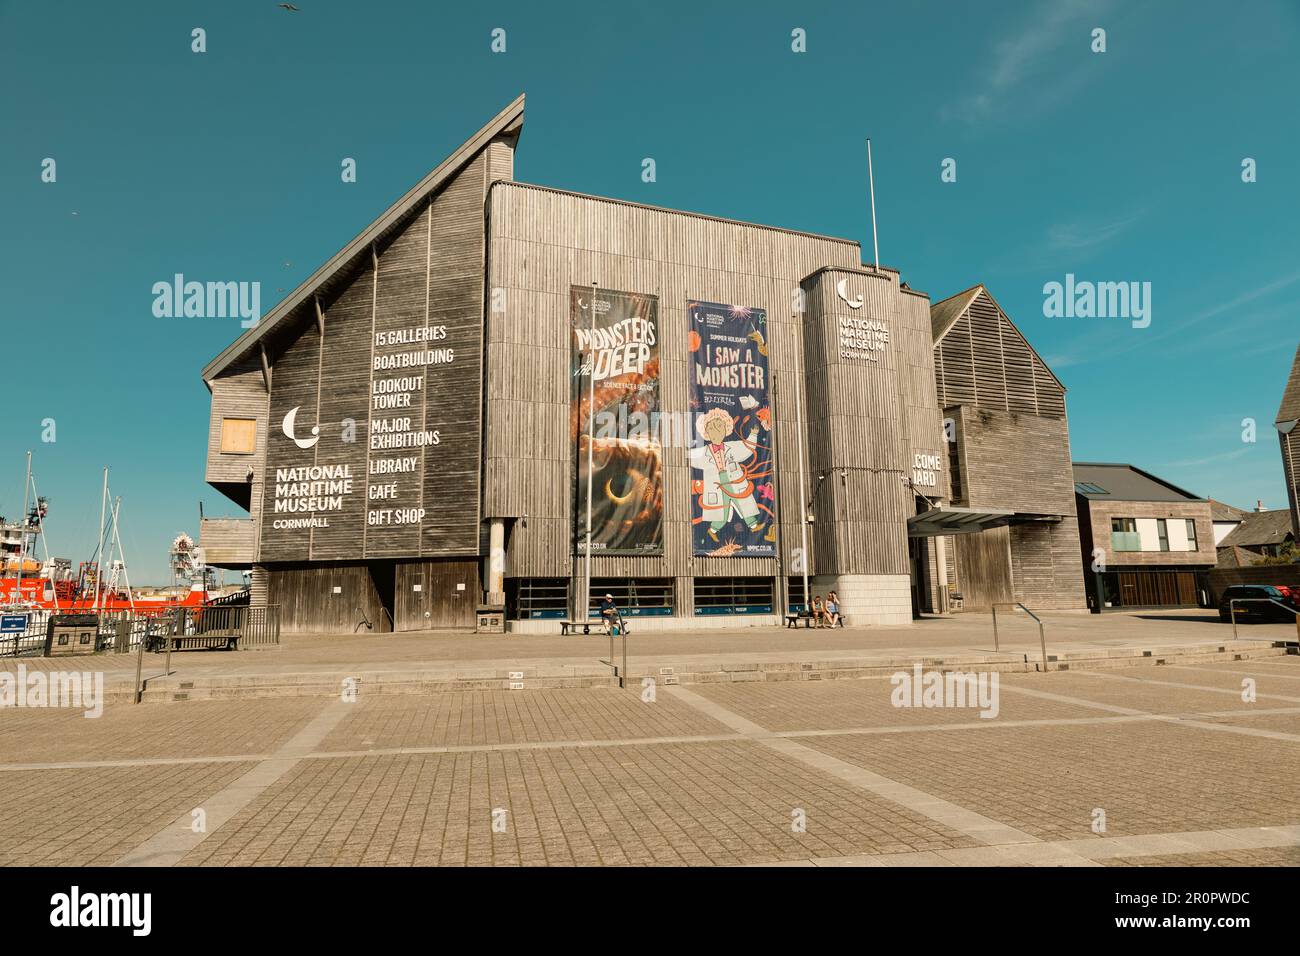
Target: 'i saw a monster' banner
(733, 500)
(620, 346)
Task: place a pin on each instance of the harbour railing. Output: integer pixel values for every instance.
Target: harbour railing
(157, 629)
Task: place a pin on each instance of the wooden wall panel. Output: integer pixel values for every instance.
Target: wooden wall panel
(421, 289)
(542, 241)
(309, 602)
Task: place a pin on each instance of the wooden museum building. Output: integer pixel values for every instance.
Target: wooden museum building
(497, 386)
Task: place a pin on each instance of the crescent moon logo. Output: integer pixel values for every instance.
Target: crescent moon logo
(852, 303)
(287, 427)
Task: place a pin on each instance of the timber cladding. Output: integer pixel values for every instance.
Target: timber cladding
(871, 418)
(383, 399)
(1013, 460)
(542, 242)
(983, 359)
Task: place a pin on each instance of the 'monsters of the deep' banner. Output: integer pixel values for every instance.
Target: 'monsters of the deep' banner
(621, 349)
(733, 498)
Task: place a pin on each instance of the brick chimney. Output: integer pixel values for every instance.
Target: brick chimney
(1259, 506)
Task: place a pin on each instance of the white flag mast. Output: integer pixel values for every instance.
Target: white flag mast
(871, 183)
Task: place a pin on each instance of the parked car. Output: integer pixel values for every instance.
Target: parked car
(1257, 607)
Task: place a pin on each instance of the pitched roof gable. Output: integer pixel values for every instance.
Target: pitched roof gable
(509, 120)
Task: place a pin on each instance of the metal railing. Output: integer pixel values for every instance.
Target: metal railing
(1232, 611)
(1042, 636)
(620, 673)
(122, 632)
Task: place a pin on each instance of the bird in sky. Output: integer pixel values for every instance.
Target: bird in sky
(289, 6)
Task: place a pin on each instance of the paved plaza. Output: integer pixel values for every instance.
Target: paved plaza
(1188, 763)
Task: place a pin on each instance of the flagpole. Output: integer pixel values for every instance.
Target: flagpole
(591, 442)
(871, 180)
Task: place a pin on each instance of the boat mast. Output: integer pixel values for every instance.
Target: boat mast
(126, 575)
(99, 566)
(22, 533)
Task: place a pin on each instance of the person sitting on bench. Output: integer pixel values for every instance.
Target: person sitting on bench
(833, 609)
(609, 612)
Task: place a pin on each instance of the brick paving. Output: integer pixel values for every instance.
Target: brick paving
(128, 731)
(709, 775)
(790, 706)
(460, 718)
(1278, 856)
(1149, 777)
(679, 804)
(91, 816)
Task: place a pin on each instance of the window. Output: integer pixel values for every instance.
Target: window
(1124, 535)
(1088, 488)
(537, 598)
(635, 597)
(238, 436)
(1191, 536)
(1162, 529)
(733, 595)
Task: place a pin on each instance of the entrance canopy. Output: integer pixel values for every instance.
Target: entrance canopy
(942, 521)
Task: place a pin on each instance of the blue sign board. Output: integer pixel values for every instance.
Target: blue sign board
(13, 623)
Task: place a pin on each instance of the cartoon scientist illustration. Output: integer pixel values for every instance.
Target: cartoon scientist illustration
(727, 487)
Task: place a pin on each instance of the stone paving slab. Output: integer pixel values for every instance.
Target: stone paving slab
(90, 817)
(1150, 692)
(679, 804)
(1277, 856)
(465, 718)
(1281, 723)
(126, 731)
(865, 703)
(1149, 777)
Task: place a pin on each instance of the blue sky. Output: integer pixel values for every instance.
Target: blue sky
(1115, 166)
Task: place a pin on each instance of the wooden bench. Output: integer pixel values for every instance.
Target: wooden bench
(586, 626)
(792, 620)
(223, 639)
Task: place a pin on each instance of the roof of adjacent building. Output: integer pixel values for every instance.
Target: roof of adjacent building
(1259, 528)
(1225, 512)
(1123, 482)
(1289, 410)
(1235, 557)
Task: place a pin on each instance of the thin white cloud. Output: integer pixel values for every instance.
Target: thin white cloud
(1024, 68)
(1072, 236)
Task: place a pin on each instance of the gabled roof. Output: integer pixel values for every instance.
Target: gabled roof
(947, 312)
(1289, 410)
(1121, 482)
(509, 121)
(1225, 512)
(1259, 528)
(944, 314)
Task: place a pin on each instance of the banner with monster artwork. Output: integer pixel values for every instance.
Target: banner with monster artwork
(733, 497)
(616, 340)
